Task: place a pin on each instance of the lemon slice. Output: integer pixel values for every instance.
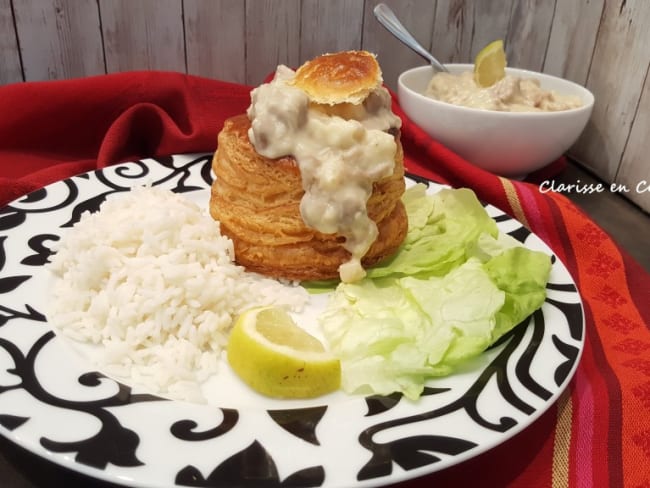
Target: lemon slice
(275, 357)
(490, 64)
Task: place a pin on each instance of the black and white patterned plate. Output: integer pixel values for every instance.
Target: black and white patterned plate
(56, 406)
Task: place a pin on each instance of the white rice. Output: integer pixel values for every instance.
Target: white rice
(151, 280)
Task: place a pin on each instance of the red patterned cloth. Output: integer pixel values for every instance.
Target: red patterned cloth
(597, 434)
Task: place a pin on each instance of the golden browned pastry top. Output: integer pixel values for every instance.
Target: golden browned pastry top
(343, 77)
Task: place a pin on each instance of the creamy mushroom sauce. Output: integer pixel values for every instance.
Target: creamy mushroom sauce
(341, 151)
(510, 94)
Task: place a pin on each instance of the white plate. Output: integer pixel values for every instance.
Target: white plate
(56, 406)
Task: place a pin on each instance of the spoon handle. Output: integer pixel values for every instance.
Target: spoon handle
(387, 18)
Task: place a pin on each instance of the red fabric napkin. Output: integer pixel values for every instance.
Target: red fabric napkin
(52, 130)
(598, 433)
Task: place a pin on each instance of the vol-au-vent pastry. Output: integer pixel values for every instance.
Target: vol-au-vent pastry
(309, 181)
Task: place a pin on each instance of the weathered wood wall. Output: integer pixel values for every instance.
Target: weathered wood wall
(602, 44)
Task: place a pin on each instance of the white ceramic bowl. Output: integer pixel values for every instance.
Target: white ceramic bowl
(511, 144)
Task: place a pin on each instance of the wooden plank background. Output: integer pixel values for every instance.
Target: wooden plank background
(601, 44)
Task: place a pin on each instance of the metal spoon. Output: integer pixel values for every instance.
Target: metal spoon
(387, 18)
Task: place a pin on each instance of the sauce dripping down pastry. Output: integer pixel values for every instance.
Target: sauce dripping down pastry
(308, 182)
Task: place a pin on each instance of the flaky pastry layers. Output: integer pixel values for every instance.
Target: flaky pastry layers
(257, 202)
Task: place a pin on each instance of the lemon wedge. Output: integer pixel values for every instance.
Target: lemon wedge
(490, 64)
(277, 358)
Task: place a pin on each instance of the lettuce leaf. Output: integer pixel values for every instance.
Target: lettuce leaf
(454, 288)
(443, 232)
(522, 274)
